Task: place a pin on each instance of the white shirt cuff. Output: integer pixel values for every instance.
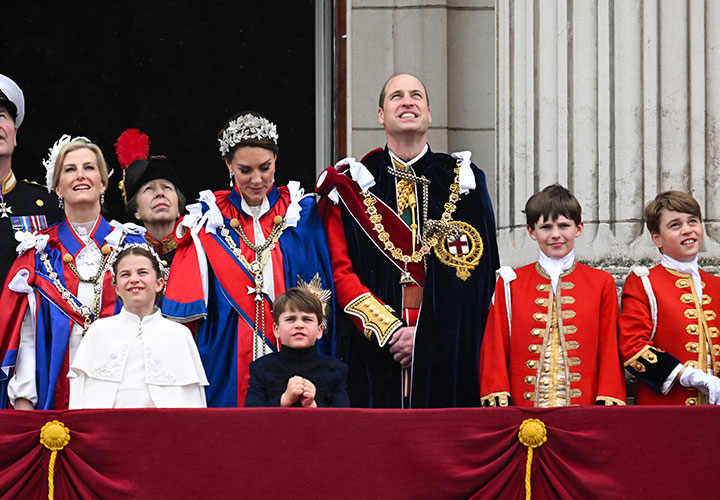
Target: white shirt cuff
(667, 385)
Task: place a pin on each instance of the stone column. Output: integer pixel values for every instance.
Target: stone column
(449, 45)
(615, 100)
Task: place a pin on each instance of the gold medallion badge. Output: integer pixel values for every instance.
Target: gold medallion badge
(456, 243)
(463, 251)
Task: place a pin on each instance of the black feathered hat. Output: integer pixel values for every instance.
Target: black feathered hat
(132, 148)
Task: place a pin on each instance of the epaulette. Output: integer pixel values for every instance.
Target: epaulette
(643, 273)
(28, 181)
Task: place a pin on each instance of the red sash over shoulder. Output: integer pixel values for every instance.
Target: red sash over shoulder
(352, 197)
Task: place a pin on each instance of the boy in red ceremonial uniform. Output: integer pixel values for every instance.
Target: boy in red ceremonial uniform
(668, 327)
(551, 336)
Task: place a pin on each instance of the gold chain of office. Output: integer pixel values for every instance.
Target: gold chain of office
(435, 232)
(262, 255)
(89, 313)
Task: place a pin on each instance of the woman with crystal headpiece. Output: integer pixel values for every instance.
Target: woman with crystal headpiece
(60, 282)
(237, 250)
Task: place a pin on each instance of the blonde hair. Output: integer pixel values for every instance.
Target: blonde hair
(74, 146)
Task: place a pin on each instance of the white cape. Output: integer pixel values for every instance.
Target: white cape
(174, 373)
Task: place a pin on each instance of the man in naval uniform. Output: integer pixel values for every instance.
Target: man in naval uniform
(412, 241)
(25, 207)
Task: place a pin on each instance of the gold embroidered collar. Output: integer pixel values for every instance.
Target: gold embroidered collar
(9, 183)
(542, 272)
(162, 247)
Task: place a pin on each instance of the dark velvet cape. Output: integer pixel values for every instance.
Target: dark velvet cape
(453, 311)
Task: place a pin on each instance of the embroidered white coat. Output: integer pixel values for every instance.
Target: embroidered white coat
(174, 374)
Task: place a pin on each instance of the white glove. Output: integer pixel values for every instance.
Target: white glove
(698, 379)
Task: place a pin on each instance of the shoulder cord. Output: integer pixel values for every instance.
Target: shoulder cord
(508, 275)
(643, 273)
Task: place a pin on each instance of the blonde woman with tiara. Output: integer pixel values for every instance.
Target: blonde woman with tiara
(60, 282)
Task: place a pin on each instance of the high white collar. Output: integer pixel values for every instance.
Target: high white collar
(690, 268)
(411, 161)
(134, 317)
(264, 208)
(555, 267)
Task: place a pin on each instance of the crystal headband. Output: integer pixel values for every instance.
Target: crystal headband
(247, 127)
(144, 246)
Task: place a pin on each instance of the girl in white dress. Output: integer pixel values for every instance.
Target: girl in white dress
(137, 358)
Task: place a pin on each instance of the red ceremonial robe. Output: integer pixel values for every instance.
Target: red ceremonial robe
(55, 317)
(209, 283)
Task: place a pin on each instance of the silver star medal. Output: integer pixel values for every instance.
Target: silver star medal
(5, 209)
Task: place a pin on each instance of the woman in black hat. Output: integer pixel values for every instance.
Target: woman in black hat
(151, 191)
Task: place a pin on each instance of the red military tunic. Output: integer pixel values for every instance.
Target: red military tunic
(576, 362)
(687, 332)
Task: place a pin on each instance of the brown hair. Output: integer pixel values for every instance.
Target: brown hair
(143, 252)
(550, 203)
(297, 299)
(677, 201)
(381, 100)
(80, 143)
(259, 143)
(132, 204)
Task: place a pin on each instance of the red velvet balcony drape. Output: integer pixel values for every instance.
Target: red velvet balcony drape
(591, 452)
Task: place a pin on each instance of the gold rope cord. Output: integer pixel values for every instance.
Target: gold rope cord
(54, 436)
(532, 434)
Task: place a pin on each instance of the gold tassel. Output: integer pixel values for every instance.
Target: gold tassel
(54, 436)
(532, 434)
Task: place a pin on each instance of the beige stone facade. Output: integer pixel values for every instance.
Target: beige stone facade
(450, 46)
(616, 100)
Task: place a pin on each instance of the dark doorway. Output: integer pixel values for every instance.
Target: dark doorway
(174, 69)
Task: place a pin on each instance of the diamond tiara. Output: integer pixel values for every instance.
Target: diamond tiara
(145, 246)
(247, 127)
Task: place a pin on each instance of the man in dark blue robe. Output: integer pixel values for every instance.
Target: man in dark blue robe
(412, 241)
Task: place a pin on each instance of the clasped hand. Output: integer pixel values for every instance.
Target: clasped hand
(299, 388)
